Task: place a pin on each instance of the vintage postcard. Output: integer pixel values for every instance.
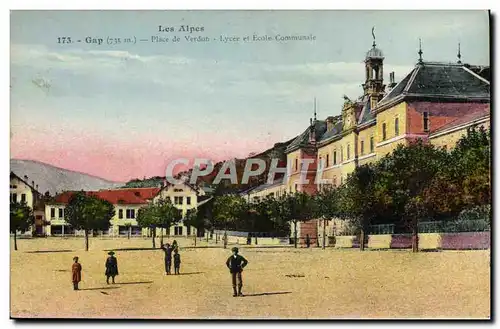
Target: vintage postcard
(238, 164)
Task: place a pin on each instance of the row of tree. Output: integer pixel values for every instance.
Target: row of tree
(415, 182)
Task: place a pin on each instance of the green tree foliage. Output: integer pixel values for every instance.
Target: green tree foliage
(88, 212)
(160, 213)
(21, 219)
(227, 210)
(293, 208)
(326, 206)
(359, 199)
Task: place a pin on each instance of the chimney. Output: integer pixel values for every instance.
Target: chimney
(36, 187)
(329, 123)
(33, 183)
(26, 178)
(392, 82)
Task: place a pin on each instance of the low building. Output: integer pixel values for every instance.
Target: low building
(21, 191)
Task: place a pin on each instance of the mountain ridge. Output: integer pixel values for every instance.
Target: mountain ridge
(56, 179)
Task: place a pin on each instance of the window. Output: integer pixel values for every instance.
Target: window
(23, 198)
(335, 157)
(14, 197)
(296, 164)
(426, 121)
(130, 213)
(178, 190)
(348, 151)
(372, 145)
(341, 154)
(177, 200)
(52, 212)
(362, 147)
(13, 186)
(384, 131)
(335, 181)
(61, 213)
(178, 230)
(320, 162)
(396, 126)
(327, 160)
(120, 213)
(188, 200)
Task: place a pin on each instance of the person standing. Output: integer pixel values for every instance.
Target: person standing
(168, 257)
(175, 245)
(111, 267)
(177, 262)
(236, 263)
(76, 273)
(308, 241)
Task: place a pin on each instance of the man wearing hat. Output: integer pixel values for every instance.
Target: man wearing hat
(111, 267)
(236, 263)
(76, 273)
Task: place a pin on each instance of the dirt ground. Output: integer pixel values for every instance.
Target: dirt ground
(278, 283)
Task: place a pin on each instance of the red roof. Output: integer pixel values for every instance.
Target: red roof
(143, 192)
(474, 113)
(119, 196)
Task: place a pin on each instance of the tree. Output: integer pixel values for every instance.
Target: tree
(326, 207)
(167, 214)
(129, 228)
(158, 213)
(194, 219)
(21, 218)
(293, 208)
(358, 200)
(227, 208)
(88, 212)
(403, 178)
(146, 217)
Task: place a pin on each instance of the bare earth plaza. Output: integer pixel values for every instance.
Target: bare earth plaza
(282, 283)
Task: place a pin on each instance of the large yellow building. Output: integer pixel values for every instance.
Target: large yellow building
(435, 102)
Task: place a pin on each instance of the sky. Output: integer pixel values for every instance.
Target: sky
(124, 111)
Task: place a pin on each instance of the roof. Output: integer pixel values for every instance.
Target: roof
(374, 52)
(303, 139)
(440, 80)
(143, 192)
(266, 186)
(473, 114)
(33, 189)
(113, 196)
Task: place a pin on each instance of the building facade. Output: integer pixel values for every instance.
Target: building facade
(21, 191)
(434, 102)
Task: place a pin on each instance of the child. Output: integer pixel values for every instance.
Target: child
(177, 261)
(76, 270)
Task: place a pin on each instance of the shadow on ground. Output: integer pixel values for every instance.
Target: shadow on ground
(189, 273)
(101, 288)
(47, 251)
(269, 293)
(138, 282)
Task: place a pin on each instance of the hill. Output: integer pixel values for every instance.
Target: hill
(54, 180)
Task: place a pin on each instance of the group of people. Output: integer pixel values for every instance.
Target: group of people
(168, 249)
(111, 270)
(235, 263)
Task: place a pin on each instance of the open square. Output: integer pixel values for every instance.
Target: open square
(283, 283)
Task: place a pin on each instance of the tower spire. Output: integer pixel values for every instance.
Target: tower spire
(420, 52)
(459, 55)
(315, 109)
(373, 35)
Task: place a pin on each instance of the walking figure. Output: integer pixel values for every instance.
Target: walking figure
(236, 263)
(168, 257)
(111, 267)
(177, 262)
(308, 241)
(76, 273)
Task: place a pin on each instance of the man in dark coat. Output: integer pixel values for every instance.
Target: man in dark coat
(177, 262)
(308, 241)
(76, 273)
(111, 267)
(168, 257)
(236, 263)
